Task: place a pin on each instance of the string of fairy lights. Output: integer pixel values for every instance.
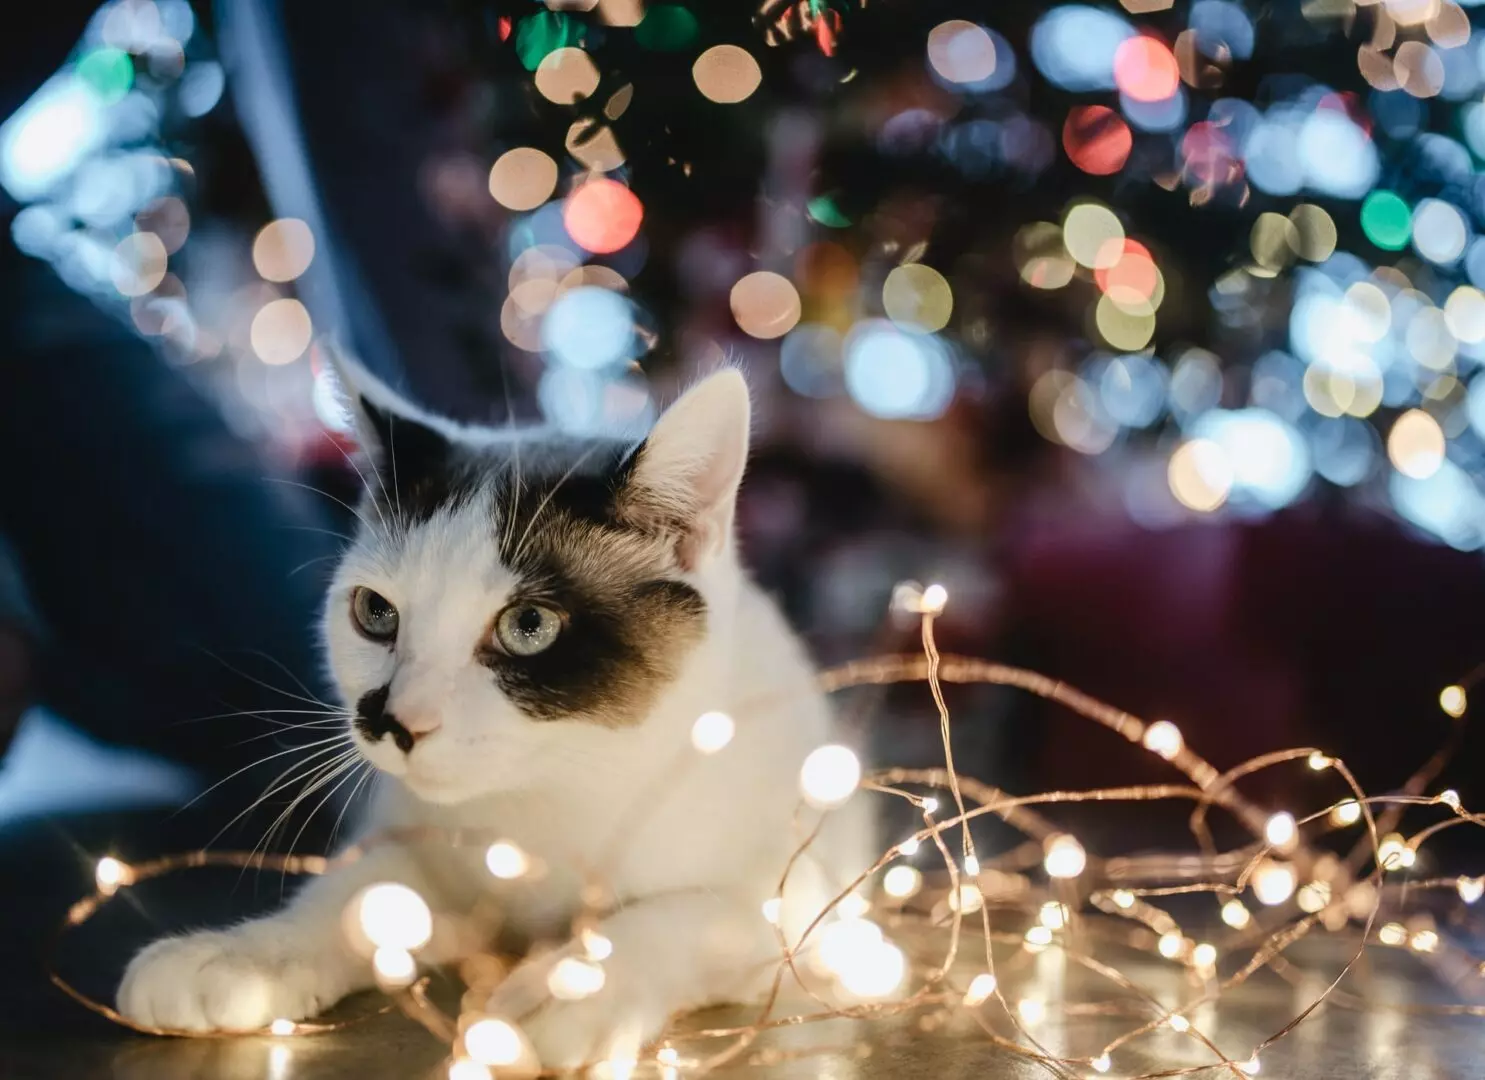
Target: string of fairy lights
(895, 940)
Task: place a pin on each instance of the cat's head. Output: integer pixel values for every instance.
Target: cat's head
(515, 602)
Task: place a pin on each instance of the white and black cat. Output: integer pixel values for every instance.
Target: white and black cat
(526, 628)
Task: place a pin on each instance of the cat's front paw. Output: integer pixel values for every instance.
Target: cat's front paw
(217, 981)
(610, 1024)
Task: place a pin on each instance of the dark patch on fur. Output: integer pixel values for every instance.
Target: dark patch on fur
(418, 471)
(374, 722)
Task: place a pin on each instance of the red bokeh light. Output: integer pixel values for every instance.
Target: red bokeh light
(603, 216)
(1127, 272)
(1096, 139)
(1146, 69)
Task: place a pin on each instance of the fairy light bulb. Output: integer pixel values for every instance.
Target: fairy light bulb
(841, 943)
(1281, 830)
(1313, 897)
(1065, 857)
(1164, 738)
(506, 861)
(395, 917)
(852, 906)
(875, 972)
(1346, 812)
(1053, 915)
(934, 599)
(1171, 944)
(393, 966)
(1179, 1023)
(1450, 798)
(1102, 1063)
(1236, 914)
(109, 874)
(493, 1042)
(1038, 938)
(930, 805)
(1204, 955)
(967, 900)
(572, 979)
(1319, 762)
(1425, 941)
(1453, 700)
(909, 847)
(712, 731)
(980, 989)
(1392, 852)
(830, 776)
(668, 1056)
(971, 866)
(1250, 1066)
(282, 1026)
(901, 882)
(1123, 899)
(468, 1069)
(1273, 883)
(1470, 889)
(1392, 934)
(772, 909)
(596, 945)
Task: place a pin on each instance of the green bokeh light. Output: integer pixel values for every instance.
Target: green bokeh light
(822, 209)
(110, 72)
(666, 28)
(543, 33)
(1386, 220)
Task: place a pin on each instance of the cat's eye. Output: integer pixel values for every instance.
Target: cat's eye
(373, 614)
(526, 629)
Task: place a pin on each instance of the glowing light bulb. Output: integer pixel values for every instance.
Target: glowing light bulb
(1392, 852)
(1164, 738)
(934, 599)
(395, 917)
(967, 900)
(468, 1069)
(1171, 944)
(1053, 915)
(1425, 941)
(930, 805)
(1347, 812)
(971, 866)
(712, 731)
(1392, 934)
(1470, 889)
(1319, 762)
(572, 979)
(910, 846)
(1235, 914)
(1453, 700)
(1281, 830)
(1038, 938)
(1273, 883)
(394, 966)
(901, 882)
(1032, 1010)
(830, 776)
(493, 1042)
(506, 861)
(1065, 857)
(668, 1056)
(1450, 798)
(874, 972)
(980, 989)
(1250, 1066)
(596, 945)
(1102, 1063)
(281, 1027)
(1313, 897)
(772, 908)
(1204, 955)
(110, 874)
(1124, 899)
(1179, 1023)
(852, 906)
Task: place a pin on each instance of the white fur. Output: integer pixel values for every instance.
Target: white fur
(690, 845)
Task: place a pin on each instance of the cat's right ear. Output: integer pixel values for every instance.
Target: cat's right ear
(406, 444)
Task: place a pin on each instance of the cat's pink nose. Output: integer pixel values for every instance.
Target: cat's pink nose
(412, 728)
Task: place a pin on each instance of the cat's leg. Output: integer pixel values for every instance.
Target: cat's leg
(672, 952)
(291, 964)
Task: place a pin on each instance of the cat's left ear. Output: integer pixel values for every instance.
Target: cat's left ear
(404, 443)
(684, 478)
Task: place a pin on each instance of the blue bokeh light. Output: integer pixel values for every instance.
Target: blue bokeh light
(1074, 46)
(898, 375)
(589, 328)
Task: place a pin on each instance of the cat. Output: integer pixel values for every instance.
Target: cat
(524, 630)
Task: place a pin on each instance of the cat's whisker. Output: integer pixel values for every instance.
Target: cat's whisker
(266, 715)
(324, 775)
(306, 698)
(371, 460)
(276, 662)
(318, 491)
(344, 737)
(368, 772)
(280, 729)
(546, 501)
(307, 563)
(278, 783)
(350, 774)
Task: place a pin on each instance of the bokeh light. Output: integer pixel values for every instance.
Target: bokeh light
(281, 331)
(1074, 45)
(283, 249)
(1415, 445)
(1087, 231)
(765, 304)
(589, 328)
(1096, 139)
(726, 74)
(566, 76)
(916, 296)
(962, 52)
(896, 374)
(1145, 69)
(523, 178)
(602, 215)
